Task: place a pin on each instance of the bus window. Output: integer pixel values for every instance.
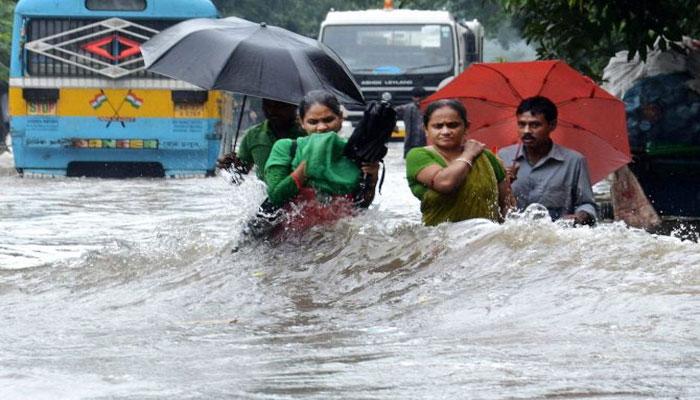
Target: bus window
(115, 5)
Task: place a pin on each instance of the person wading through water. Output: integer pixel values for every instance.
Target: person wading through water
(544, 172)
(310, 176)
(456, 178)
(280, 122)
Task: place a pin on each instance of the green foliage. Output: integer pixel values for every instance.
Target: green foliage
(586, 33)
(489, 12)
(305, 16)
(6, 9)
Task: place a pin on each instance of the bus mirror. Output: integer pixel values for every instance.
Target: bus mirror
(190, 96)
(40, 95)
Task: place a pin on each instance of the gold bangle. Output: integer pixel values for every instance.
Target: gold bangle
(464, 160)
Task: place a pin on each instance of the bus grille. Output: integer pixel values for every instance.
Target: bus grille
(88, 48)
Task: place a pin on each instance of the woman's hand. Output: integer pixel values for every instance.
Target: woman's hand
(512, 172)
(371, 169)
(299, 174)
(472, 149)
(231, 159)
(367, 193)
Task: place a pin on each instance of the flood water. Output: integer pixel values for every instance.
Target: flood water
(131, 289)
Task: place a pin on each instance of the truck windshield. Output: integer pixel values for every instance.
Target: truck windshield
(392, 49)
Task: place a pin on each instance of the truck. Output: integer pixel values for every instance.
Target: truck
(394, 50)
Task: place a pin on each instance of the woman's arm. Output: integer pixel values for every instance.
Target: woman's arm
(281, 187)
(448, 179)
(371, 170)
(506, 200)
(280, 179)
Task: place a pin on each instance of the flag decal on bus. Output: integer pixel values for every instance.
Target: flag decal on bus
(98, 100)
(134, 100)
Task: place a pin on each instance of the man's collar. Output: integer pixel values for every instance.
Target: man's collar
(555, 153)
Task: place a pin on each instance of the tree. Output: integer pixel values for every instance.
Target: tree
(305, 17)
(586, 33)
(6, 9)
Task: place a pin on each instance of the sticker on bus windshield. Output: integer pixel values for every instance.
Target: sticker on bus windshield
(137, 144)
(41, 108)
(189, 110)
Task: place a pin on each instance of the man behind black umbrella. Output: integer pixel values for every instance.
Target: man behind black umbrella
(412, 117)
(280, 122)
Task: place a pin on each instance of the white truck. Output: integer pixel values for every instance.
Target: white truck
(393, 50)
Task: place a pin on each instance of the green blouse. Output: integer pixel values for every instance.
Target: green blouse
(257, 143)
(327, 169)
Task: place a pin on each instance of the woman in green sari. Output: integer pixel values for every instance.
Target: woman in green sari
(456, 178)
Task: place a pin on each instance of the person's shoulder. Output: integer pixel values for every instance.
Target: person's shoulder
(417, 152)
(252, 133)
(508, 151)
(495, 161)
(491, 156)
(283, 143)
(569, 154)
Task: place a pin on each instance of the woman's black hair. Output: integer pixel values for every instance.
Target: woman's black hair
(452, 103)
(319, 97)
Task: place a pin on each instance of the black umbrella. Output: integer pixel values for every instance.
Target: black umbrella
(248, 58)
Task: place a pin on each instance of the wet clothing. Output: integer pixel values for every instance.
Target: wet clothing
(559, 181)
(328, 171)
(256, 145)
(311, 208)
(477, 196)
(412, 118)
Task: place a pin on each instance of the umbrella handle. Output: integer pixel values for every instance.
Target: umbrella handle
(238, 126)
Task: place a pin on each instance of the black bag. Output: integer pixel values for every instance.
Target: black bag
(368, 142)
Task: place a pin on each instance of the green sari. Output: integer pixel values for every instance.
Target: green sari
(476, 197)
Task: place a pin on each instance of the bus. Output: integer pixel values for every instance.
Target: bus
(82, 104)
(393, 50)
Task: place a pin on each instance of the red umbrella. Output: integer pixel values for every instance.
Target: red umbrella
(591, 120)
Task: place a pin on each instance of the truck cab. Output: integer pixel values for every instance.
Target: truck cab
(393, 50)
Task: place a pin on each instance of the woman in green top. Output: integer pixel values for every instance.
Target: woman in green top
(456, 178)
(310, 175)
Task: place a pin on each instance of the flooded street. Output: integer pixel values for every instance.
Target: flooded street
(131, 289)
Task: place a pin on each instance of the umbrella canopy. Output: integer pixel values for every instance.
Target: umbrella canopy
(248, 58)
(591, 120)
